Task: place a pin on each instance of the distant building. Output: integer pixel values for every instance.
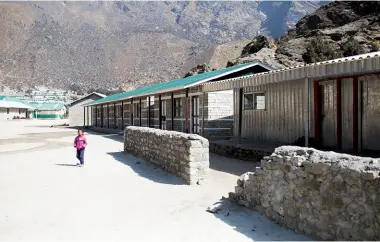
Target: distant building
(76, 110)
(48, 110)
(13, 108)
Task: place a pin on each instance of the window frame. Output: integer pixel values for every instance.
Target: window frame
(255, 95)
(136, 110)
(178, 107)
(254, 101)
(244, 105)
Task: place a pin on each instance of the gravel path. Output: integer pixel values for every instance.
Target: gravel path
(115, 196)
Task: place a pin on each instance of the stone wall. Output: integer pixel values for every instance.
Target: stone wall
(236, 151)
(185, 155)
(327, 195)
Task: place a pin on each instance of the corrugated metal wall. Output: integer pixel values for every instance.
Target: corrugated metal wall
(284, 118)
(347, 113)
(348, 67)
(370, 112)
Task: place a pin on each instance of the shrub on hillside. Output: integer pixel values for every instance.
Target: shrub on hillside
(375, 46)
(319, 50)
(351, 47)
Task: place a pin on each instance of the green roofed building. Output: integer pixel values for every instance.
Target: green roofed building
(178, 105)
(13, 108)
(48, 110)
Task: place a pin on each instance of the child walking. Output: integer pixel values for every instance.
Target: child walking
(80, 144)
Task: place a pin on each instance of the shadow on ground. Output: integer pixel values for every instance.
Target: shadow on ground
(70, 165)
(231, 166)
(115, 137)
(253, 224)
(145, 170)
(218, 163)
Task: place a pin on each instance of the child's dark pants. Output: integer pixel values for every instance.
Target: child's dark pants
(80, 156)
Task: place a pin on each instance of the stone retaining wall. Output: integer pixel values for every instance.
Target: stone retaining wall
(185, 155)
(327, 195)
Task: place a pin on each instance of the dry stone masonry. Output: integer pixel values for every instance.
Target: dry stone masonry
(324, 194)
(185, 155)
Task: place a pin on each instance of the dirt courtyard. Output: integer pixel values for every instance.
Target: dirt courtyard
(115, 196)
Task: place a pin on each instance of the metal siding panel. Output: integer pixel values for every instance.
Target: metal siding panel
(297, 106)
(288, 110)
(370, 112)
(269, 112)
(301, 120)
(311, 108)
(281, 97)
(236, 114)
(261, 114)
(276, 111)
(292, 108)
(347, 114)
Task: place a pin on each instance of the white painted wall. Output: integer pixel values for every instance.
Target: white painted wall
(12, 112)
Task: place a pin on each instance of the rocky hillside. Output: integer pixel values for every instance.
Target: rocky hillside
(339, 29)
(128, 44)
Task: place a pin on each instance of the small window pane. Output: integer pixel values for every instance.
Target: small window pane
(178, 107)
(248, 101)
(260, 101)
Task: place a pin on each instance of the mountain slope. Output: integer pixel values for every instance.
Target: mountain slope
(339, 29)
(128, 44)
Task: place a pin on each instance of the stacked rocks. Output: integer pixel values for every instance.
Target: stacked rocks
(185, 155)
(324, 194)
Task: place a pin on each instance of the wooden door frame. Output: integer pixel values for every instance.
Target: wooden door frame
(356, 146)
(192, 114)
(317, 111)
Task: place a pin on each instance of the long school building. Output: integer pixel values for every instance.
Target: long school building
(336, 103)
(178, 105)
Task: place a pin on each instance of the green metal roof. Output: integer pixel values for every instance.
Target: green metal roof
(47, 106)
(8, 98)
(177, 84)
(15, 102)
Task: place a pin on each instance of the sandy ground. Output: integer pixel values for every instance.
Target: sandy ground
(115, 196)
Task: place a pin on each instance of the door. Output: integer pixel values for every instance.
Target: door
(163, 114)
(327, 118)
(370, 114)
(195, 115)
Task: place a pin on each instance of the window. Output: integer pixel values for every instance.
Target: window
(151, 101)
(120, 111)
(178, 107)
(248, 101)
(259, 101)
(254, 101)
(136, 110)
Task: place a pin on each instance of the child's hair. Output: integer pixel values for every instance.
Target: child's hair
(80, 130)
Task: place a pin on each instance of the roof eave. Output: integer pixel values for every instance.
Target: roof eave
(246, 66)
(230, 72)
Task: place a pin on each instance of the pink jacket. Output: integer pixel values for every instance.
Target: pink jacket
(80, 142)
